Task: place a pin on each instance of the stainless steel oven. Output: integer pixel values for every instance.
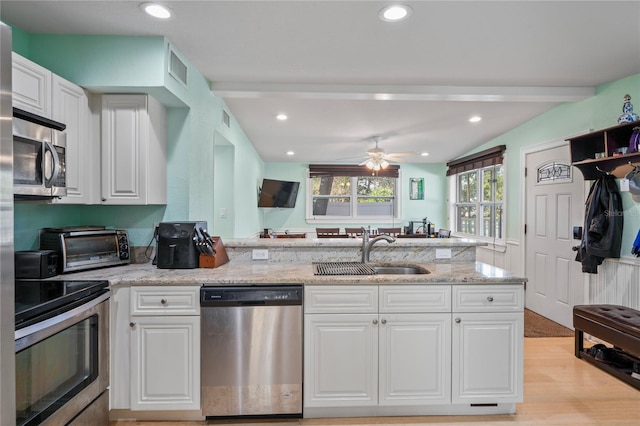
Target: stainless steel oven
(62, 352)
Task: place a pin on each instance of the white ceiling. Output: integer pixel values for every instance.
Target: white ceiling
(344, 76)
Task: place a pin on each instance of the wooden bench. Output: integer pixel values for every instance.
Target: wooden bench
(617, 325)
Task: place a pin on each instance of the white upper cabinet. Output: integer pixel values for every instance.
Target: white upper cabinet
(71, 107)
(39, 91)
(31, 85)
(134, 163)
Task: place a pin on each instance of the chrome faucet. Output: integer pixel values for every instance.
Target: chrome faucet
(367, 244)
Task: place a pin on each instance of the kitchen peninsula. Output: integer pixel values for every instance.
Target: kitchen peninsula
(446, 342)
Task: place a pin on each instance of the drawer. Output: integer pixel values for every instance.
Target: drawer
(348, 299)
(170, 300)
(488, 298)
(415, 298)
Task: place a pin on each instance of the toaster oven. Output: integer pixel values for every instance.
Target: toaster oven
(89, 247)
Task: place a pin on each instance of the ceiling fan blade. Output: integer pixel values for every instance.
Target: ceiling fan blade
(401, 154)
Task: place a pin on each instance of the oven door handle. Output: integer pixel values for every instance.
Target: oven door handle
(27, 336)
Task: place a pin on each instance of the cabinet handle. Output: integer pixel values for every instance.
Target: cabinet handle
(375, 321)
(384, 321)
(457, 320)
(132, 324)
(163, 301)
(490, 298)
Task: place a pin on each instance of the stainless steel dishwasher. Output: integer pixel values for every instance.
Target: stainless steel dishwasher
(251, 351)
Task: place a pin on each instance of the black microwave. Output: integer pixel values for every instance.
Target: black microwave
(39, 156)
(86, 247)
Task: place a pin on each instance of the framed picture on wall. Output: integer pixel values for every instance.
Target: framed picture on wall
(416, 188)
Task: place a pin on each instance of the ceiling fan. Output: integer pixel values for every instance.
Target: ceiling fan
(378, 158)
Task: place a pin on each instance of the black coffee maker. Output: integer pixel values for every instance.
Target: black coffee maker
(176, 248)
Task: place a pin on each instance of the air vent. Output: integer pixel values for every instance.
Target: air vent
(177, 68)
(226, 120)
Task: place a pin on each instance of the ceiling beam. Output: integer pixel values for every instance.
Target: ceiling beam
(403, 92)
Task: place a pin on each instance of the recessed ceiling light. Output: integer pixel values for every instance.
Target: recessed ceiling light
(156, 10)
(281, 117)
(475, 119)
(425, 154)
(395, 13)
(290, 153)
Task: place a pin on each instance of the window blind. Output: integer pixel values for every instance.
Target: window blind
(486, 158)
(323, 170)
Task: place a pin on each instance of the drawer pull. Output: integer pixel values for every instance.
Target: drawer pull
(457, 320)
(132, 324)
(163, 301)
(490, 298)
(384, 321)
(375, 321)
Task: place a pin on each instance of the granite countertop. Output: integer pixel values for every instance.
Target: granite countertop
(348, 242)
(264, 272)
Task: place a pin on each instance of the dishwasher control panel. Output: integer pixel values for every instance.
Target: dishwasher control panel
(251, 295)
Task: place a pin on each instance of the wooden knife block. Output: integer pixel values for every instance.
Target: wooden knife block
(219, 258)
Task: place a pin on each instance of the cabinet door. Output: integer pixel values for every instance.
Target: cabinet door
(165, 363)
(133, 150)
(415, 359)
(341, 360)
(119, 349)
(31, 85)
(71, 107)
(124, 132)
(487, 357)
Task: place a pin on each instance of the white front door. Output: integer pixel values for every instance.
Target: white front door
(554, 204)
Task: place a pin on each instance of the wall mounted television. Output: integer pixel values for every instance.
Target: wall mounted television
(278, 193)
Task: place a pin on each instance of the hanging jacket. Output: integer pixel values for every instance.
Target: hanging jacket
(603, 222)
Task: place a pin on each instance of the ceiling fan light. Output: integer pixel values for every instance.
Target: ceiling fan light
(376, 166)
(384, 164)
(369, 164)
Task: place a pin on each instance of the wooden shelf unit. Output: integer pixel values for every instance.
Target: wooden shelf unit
(584, 148)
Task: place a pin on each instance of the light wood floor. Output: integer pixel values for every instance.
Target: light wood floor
(559, 389)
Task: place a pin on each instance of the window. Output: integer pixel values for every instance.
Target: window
(351, 192)
(479, 207)
(478, 194)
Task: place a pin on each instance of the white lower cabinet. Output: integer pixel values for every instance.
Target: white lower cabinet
(488, 344)
(414, 359)
(487, 358)
(388, 357)
(413, 349)
(341, 360)
(165, 354)
(155, 341)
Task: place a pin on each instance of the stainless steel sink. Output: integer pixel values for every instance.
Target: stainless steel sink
(399, 270)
